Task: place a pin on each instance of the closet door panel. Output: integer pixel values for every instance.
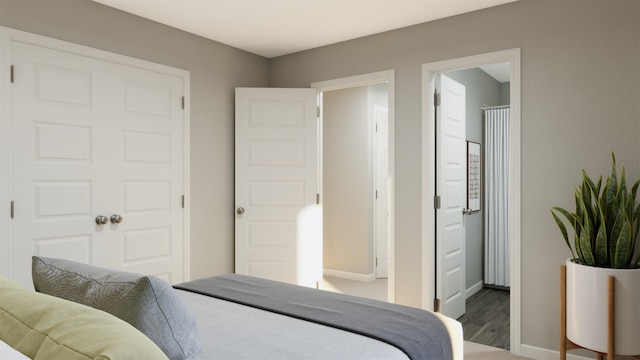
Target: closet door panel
(146, 167)
(58, 158)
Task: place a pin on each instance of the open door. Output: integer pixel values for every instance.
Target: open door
(451, 187)
(278, 222)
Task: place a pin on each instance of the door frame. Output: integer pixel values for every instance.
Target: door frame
(361, 80)
(429, 70)
(7, 37)
(379, 171)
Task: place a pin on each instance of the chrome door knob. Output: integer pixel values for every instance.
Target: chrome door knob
(240, 210)
(116, 219)
(466, 211)
(101, 220)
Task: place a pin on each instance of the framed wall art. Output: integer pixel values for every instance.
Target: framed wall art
(473, 176)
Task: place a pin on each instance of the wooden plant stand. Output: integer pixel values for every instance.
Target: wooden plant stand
(565, 343)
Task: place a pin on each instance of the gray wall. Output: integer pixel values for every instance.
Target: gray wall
(580, 101)
(216, 70)
(480, 89)
(505, 95)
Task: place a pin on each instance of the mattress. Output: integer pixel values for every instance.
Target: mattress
(235, 331)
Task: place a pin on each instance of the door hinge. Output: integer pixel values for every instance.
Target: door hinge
(436, 305)
(183, 201)
(183, 103)
(436, 99)
(376, 194)
(317, 198)
(376, 261)
(436, 202)
(11, 74)
(12, 209)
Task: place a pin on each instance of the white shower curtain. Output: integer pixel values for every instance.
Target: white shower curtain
(496, 229)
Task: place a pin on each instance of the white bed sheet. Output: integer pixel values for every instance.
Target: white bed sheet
(233, 331)
(9, 353)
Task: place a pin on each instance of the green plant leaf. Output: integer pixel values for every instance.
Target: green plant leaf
(621, 256)
(598, 185)
(563, 229)
(578, 200)
(607, 200)
(635, 227)
(612, 184)
(585, 247)
(615, 233)
(590, 197)
(622, 184)
(601, 248)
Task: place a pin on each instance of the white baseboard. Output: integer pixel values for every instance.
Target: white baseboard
(537, 353)
(349, 275)
(473, 289)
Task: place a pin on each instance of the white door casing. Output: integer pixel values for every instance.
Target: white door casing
(94, 137)
(381, 165)
(451, 176)
(278, 223)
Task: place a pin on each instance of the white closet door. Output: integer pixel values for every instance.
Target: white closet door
(92, 138)
(58, 158)
(145, 172)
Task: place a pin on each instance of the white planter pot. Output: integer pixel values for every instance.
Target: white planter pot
(587, 304)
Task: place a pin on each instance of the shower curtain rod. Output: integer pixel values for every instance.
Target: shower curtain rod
(485, 107)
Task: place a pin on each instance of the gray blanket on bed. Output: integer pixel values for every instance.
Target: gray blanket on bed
(416, 332)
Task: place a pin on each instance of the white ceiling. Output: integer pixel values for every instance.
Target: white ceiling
(272, 28)
(500, 72)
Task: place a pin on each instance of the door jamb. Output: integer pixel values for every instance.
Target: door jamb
(360, 80)
(429, 70)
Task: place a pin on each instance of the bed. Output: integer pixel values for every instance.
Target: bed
(228, 317)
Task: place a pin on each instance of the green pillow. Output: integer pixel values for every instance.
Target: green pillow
(45, 327)
(146, 302)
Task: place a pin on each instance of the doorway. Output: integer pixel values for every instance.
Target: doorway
(430, 268)
(485, 319)
(356, 182)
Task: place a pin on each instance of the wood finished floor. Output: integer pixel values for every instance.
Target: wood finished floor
(487, 318)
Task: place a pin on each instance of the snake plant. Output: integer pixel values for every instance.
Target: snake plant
(605, 222)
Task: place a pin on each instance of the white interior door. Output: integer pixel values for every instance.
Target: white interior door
(451, 176)
(146, 172)
(59, 159)
(92, 138)
(278, 224)
(382, 216)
